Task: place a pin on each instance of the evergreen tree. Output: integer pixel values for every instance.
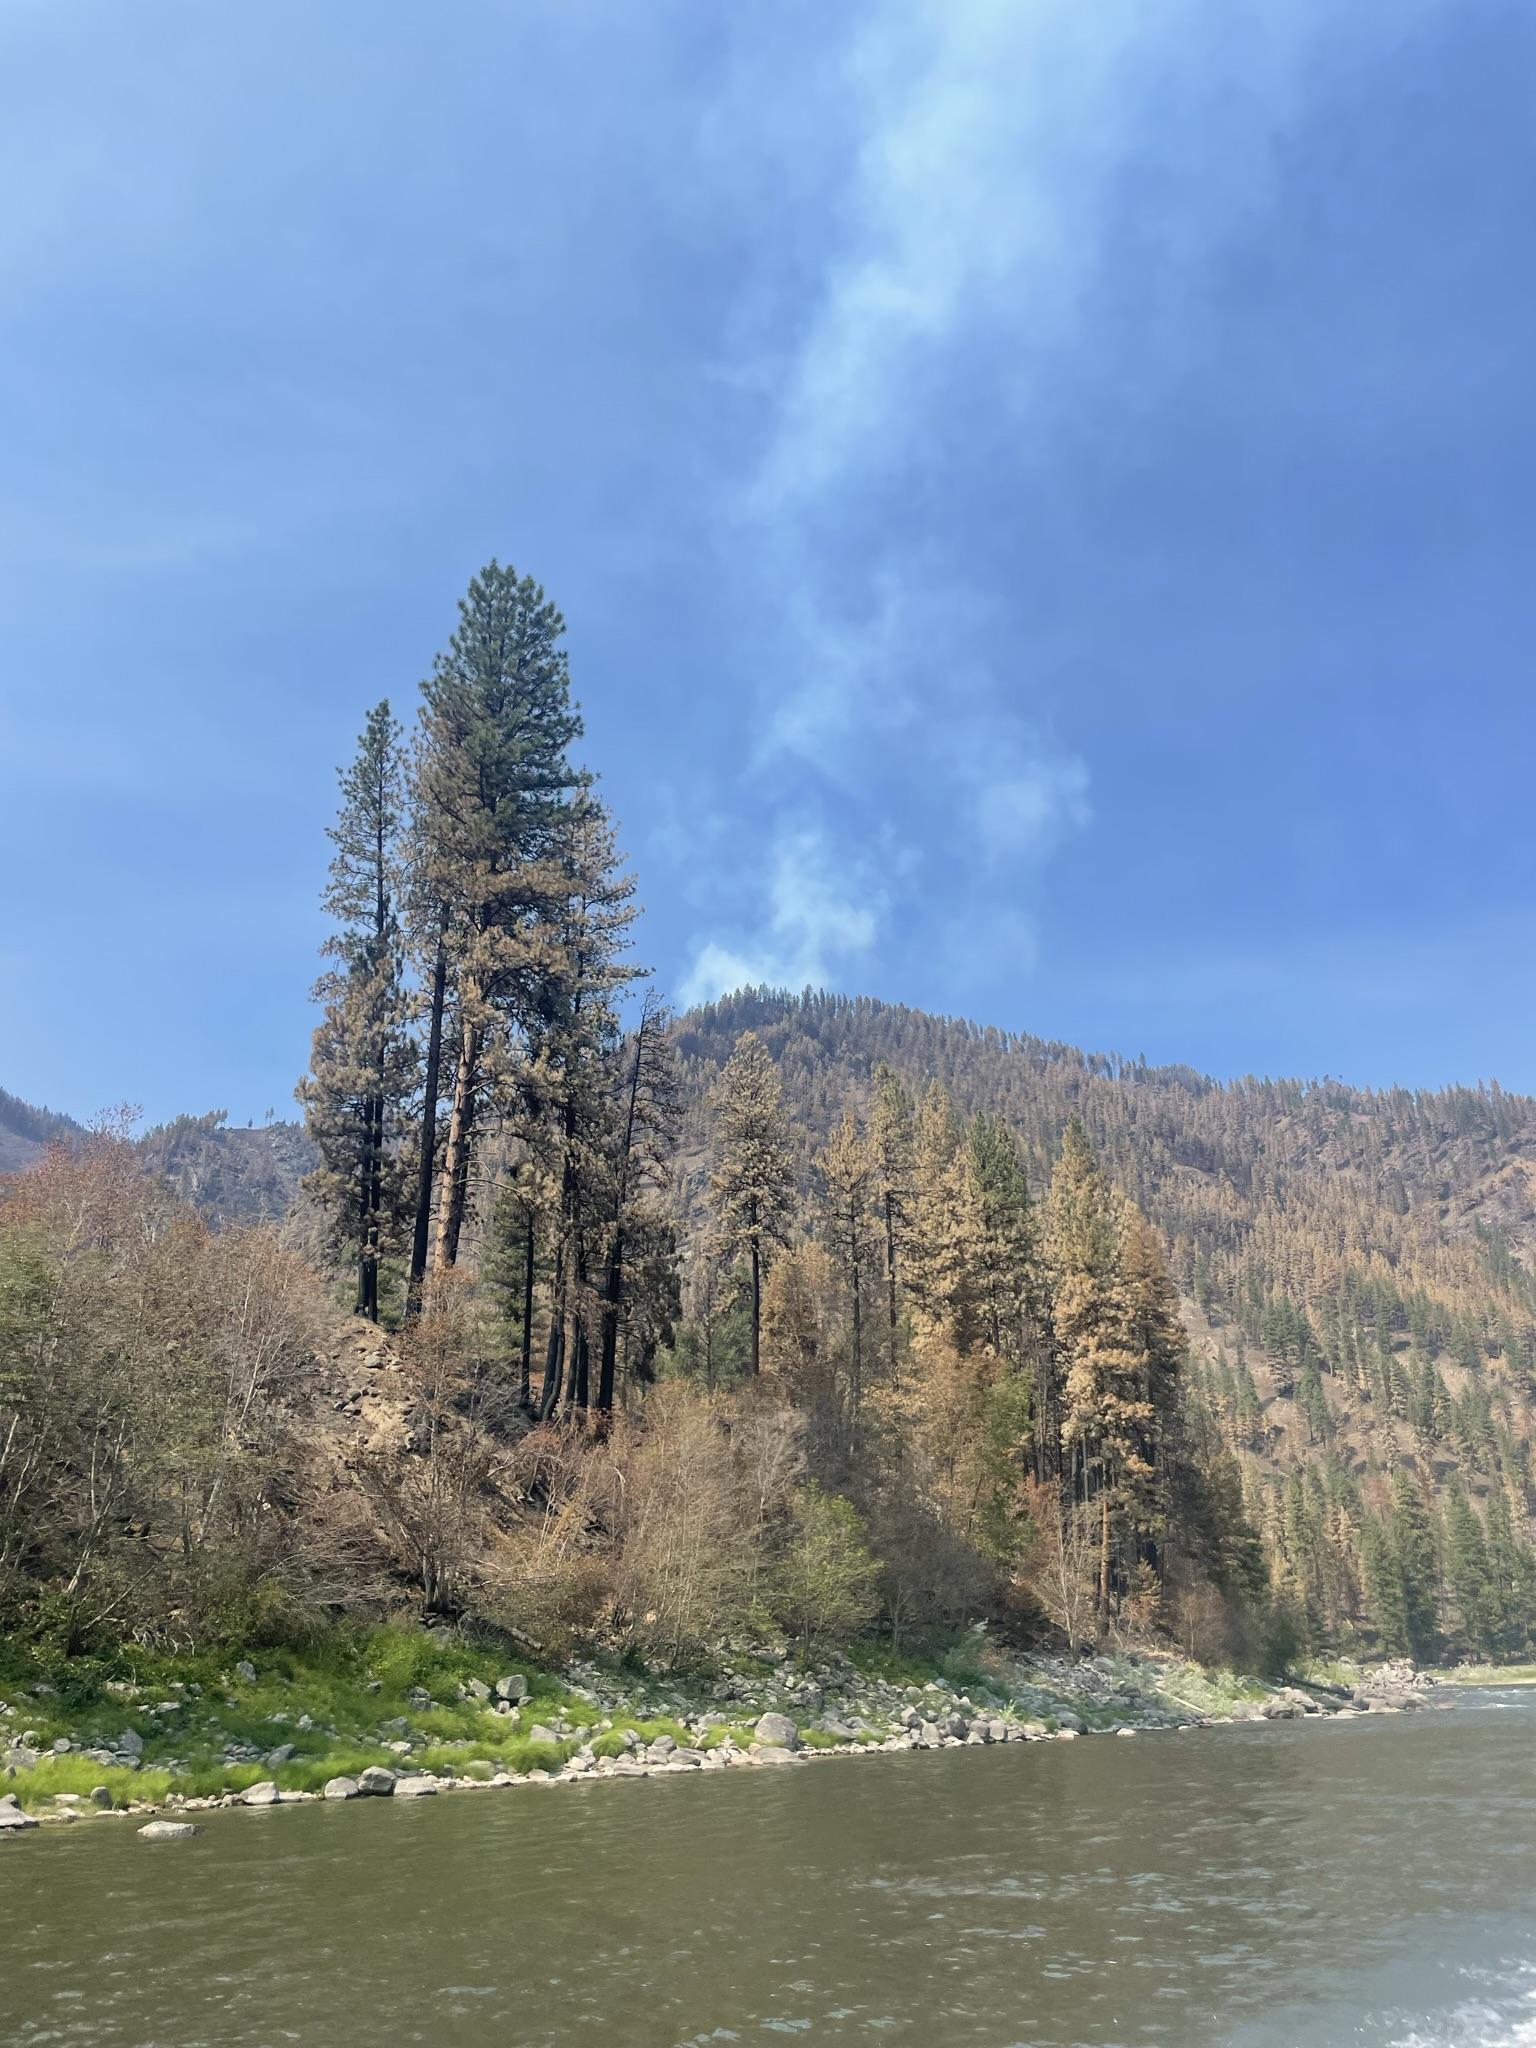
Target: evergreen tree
(1468, 1579)
(1384, 1587)
(930, 1265)
(494, 789)
(643, 1129)
(752, 1184)
(1415, 1550)
(1105, 1413)
(575, 1105)
(891, 1140)
(844, 1168)
(362, 1066)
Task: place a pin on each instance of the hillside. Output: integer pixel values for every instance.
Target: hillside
(232, 1173)
(26, 1132)
(1357, 1268)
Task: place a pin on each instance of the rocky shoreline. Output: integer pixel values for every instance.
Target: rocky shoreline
(598, 1727)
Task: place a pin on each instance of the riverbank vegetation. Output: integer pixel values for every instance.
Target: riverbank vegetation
(594, 1330)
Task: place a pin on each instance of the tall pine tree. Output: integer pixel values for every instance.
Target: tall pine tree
(363, 1063)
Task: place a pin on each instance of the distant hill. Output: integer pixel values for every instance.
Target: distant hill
(25, 1131)
(1358, 1266)
(232, 1173)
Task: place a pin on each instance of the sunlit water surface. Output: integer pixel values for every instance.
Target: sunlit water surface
(1297, 1886)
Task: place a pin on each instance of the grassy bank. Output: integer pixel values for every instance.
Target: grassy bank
(138, 1728)
(1487, 1674)
(209, 1723)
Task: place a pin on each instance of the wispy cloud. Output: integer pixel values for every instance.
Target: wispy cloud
(983, 146)
(912, 366)
(822, 911)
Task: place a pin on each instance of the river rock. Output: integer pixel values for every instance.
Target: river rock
(376, 1782)
(777, 1731)
(168, 1831)
(539, 1733)
(284, 1753)
(414, 1788)
(340, 1788)
(246, 1670)
(477, 1689)
(772, 1753)
(131, 1742)
(101, 1795)
(264, 1794)
(513, 1687)
(12, 1816)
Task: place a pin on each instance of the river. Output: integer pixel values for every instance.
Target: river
(1302, 1885)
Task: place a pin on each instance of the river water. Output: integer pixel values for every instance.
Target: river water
(1305, 1885)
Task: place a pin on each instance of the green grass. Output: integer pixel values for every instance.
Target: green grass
(350, 1685)
(57, 1774)
(1342, 1671)
(1209, 1692)
(1488, 1674)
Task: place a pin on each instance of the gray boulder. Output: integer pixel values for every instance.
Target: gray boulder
(168, 1831)
(777, 1731)
(12, 1816)
(376, 1782)
(284, 1753)
(477, 1689)
(414, 1788)
(264, 1794)
(539, 1733)
(101, 1795)
(247, 1670)
(772, 1753)
(340, 1788)
(513, 1687)
(131, 1742)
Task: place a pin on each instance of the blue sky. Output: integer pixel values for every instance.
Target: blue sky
(1043, 497)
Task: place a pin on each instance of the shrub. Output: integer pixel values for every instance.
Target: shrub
(823, 1584)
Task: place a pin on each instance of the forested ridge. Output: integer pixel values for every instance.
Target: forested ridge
(566, 1317)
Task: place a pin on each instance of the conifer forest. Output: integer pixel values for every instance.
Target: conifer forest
(590, 1322)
